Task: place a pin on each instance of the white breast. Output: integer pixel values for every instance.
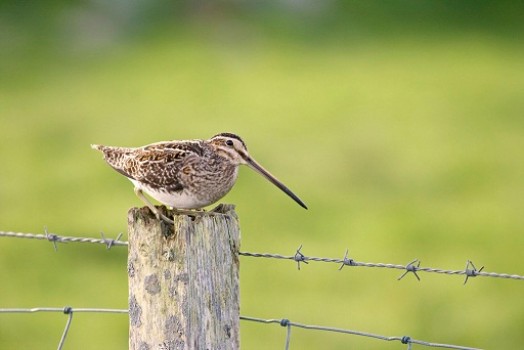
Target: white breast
(179, 200)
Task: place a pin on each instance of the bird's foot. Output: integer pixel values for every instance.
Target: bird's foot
(193, 212)
(220, 209)
(161, 216)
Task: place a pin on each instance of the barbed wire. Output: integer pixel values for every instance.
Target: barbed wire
(414, 266)
(54, 238)
(68, 310)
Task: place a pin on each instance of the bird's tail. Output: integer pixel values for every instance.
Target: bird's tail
(98, 147)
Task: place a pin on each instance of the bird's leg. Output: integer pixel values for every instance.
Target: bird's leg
(150, 205)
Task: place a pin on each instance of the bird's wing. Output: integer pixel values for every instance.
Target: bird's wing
(156, 165)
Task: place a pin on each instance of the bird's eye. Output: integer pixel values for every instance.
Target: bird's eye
(229, 142)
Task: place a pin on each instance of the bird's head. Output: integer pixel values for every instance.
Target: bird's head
(233, 148)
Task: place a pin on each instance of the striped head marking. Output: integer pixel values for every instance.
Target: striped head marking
(230, 146)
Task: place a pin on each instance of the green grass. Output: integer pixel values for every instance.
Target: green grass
(402, 149)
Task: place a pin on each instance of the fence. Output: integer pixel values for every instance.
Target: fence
(414, 266)
(298, 257)
(67, 310)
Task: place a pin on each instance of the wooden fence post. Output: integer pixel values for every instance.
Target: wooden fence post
(183, 281)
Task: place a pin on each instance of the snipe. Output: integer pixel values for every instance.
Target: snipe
(188, 174)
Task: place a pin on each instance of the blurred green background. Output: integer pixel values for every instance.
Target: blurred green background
(399, 123)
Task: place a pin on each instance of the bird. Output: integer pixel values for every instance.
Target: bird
(186, 174)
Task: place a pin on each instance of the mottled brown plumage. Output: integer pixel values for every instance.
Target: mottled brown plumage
(188, 174)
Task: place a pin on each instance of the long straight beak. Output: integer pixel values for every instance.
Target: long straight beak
(250, 162)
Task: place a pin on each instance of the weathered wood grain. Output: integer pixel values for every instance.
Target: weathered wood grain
(183, 281)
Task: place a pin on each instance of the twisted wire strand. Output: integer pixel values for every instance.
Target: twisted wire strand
(469, 271)
(283, 322)
(66, 310)
(403, 339)
(52, 237)
(299, 257)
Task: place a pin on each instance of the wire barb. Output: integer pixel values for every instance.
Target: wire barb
(347, 261)
(471, 272)
(414, 267)
(299, 257)
(51, 237)
(411, 267)
(110, 242)
(54, 238)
